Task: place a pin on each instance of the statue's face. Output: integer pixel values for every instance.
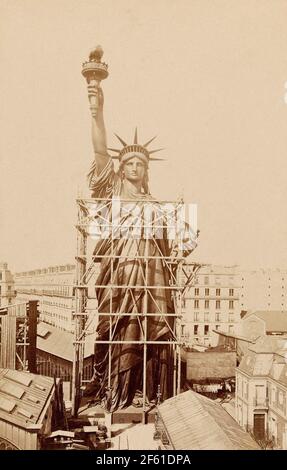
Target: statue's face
(134, 169)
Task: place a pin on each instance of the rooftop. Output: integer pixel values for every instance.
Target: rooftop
(256, 364)
(48, 270)
(23, 397)
(274, 320)
(233, 336)
(195, 422)
(60, 342)
(267, 357)
(268, 344)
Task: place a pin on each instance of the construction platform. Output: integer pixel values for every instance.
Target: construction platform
(129, 415)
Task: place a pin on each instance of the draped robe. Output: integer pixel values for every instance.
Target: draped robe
(133, 274)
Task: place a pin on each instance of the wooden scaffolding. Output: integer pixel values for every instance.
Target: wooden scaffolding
(18, 333)
(94, 222)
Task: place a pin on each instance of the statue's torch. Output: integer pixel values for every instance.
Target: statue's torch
(94, 71)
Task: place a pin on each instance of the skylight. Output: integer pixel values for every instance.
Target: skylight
(40, 387)
(32, 399)
(7, 405)
(25, 413)
(12, 390)
(19, 377)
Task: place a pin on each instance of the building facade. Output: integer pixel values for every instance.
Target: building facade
(212, 303)
(221, 294)
(53, 288)
(261, 391)
(7, 289)
(263, 289)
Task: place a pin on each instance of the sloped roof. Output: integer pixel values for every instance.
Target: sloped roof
(274, 320)
(194, 422)
(59, 342)
(256, 364)
(260, 358)
(233, 335)
(268, 344)
(247, 363)
(23, 396)
(283, 376)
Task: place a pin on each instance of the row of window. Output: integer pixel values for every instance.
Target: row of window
(54, 315)
(64, 305)
(58, 318)
(217, 292)
(217, 280)
(208, 317)
(64, 291)
(207, 329)
(217, 304)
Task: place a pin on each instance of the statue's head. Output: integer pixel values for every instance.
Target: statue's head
(134, 168)
(134, 160)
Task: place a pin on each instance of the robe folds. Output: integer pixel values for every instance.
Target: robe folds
(132, 279)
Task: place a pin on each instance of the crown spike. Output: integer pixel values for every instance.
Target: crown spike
(121, 140)
(154, 151)
(145, 145)
(133, 148)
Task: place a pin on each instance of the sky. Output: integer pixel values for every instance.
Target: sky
(206, 76)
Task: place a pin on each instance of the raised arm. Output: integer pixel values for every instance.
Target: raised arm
(96, 98)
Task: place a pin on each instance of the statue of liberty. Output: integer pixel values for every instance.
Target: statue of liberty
(128, 272)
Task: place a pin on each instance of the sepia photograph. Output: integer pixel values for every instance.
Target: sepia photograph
(143, 228)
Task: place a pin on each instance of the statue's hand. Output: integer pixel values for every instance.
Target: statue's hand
(96, 94)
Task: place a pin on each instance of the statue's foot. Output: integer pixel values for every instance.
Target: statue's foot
(138, 402)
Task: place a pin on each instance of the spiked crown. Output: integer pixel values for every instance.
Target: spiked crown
(127, 151)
